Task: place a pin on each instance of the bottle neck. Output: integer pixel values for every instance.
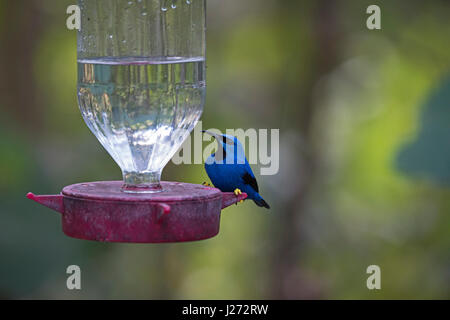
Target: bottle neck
(142, 182)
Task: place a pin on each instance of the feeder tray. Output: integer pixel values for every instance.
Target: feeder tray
(100, 211)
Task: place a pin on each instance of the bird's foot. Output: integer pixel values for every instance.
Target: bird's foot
(206, 184)
(237, 192)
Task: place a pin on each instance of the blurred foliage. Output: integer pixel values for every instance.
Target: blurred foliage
(428, 154)
(364, 153)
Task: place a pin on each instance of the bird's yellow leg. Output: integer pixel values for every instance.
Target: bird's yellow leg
(206, 184)
(237, 192)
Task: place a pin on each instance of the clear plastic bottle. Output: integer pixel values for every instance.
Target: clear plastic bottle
(141, 80)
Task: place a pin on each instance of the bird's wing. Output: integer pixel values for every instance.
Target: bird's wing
(250, 180)
(248, 177)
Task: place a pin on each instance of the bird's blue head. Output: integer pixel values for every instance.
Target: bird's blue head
(230, 149)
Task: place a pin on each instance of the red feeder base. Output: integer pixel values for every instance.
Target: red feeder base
(99, 211)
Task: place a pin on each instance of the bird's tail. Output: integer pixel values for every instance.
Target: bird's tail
(261, 202)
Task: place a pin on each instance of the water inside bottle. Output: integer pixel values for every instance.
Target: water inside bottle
(141, 109)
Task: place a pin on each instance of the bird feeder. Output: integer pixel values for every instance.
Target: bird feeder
(141, 91)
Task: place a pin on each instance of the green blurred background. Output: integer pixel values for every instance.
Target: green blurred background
(364, 119)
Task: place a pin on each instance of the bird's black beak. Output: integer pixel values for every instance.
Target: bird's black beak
(221, 152)
(218, 137)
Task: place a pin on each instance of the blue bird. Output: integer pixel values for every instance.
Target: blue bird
(230, 171)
